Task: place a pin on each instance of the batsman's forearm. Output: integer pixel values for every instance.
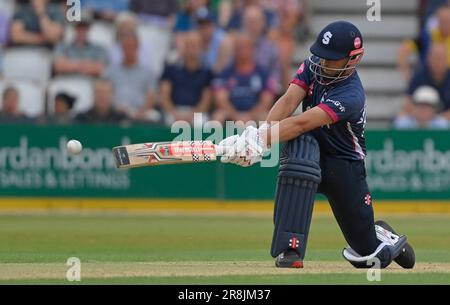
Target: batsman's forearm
(285, 130)
(281, 110)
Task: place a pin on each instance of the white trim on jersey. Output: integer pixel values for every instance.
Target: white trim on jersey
(356, 145)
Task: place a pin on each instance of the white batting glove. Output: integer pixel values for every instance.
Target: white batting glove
(250, 147)
(228, 149)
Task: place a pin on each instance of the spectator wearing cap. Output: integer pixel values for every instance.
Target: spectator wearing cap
(217, 44)
(244, 91)
(10, 111)
(435, 74)
(185, 87)
(134, 85)
(38, 24)
(80, 57)
(424, 114)
(266, 52)
(103, 111)
(64, 103)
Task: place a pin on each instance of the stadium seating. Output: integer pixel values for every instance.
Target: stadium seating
(31, 96)
(32, 64)
(81, 87)
(103, 34)
(352, 6)
(405, 26)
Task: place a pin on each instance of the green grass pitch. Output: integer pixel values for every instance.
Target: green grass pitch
(198, 249)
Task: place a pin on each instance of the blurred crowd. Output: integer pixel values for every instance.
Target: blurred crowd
(164, 60)
(427, 99)
(148, 61)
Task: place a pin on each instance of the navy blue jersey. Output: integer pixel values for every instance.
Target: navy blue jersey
(344, 102)
(245, 89)
(187, 86)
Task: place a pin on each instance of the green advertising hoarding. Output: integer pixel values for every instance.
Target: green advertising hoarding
(34, 163)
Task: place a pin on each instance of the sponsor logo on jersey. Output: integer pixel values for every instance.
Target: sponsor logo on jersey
(337, 104)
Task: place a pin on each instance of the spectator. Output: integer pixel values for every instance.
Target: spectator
(217, 44)
(290, 13)
(439, 34)
(427, 8)
(156, 18)
(105, 9)
(225, 11)
(424, 114)
(434, 74)
(102, 112)
(134, 85)
(185, 87)
(10, 112)
(243, 92)
(235, 23)
(267, 53)
(80, 57)
(63, 105)
(38, 24)
(127, 24)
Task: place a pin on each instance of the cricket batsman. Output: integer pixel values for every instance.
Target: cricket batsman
(324, 153)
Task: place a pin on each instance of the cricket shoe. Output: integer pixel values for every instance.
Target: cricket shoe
(289, 259)
(407, 257)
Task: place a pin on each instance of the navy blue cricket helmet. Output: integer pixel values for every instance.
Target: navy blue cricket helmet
(338, 40)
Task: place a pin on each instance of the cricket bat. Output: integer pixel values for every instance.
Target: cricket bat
(160, 153)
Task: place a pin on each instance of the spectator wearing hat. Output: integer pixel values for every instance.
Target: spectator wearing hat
(424, 114)
(217, 44)
(38, 24)
(81, 57)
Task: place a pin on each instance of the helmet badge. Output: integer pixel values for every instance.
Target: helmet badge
(326, 37)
